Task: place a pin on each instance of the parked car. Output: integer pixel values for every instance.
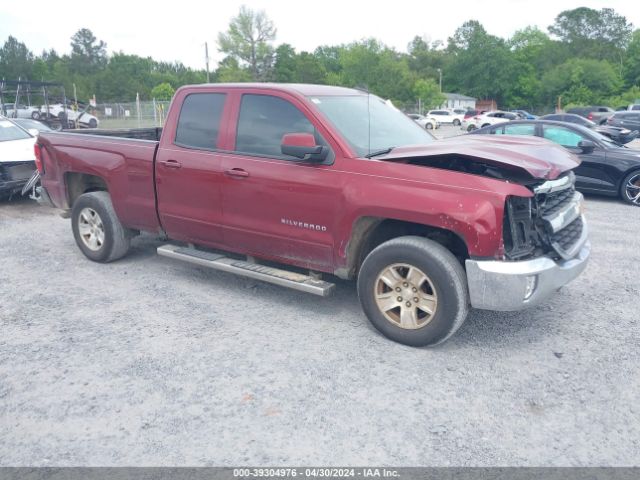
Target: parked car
(628, 119)
(597, 114)
(446, 116)
(17, 159)
(606, 167)
(634, 106)
(618, 134)
(76, 119)
(23, 111)
(428, 123)
(486, 119)
(331, 180)
(525, 115)
(32, 125)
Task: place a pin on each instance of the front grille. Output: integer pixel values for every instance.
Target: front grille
(566, 238)
(553, 202)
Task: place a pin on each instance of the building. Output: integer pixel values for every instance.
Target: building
(455, 100)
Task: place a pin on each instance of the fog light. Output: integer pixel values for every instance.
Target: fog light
(530, 287)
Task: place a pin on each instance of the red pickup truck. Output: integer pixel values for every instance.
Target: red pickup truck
(247, 177)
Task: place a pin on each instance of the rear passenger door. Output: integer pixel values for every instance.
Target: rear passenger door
(188, 170)
(276, 206)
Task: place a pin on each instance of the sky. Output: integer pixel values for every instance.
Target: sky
(178, 32)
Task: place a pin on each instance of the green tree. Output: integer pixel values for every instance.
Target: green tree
(428, 91)
(593, 33)
(632, 61)
(163, 91)
(284, 69)
(230, 71)
(88, 55)
(248, 40)
(16, 60)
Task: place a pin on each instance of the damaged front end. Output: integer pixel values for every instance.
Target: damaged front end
(549, 223)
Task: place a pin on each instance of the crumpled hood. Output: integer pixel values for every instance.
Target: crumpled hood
(540, 158)
(17, 150)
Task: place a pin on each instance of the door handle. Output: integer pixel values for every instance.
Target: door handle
(237, 172)
(171, 163)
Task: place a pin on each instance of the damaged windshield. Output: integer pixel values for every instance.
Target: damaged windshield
(370, 124)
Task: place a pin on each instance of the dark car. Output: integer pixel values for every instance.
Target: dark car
(607, 168)
(629, 119)
(618, 134)
(596, 114)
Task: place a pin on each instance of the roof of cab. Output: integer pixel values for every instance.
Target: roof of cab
(300, 88)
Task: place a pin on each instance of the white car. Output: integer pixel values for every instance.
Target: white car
(447, 116)
(428, 123)
(23, 111)
(486, 119)
(77, 119)
(17, 158)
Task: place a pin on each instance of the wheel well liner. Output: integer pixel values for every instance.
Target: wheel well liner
(369, 232)
(79, 183)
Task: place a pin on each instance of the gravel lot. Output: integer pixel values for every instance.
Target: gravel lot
(147, 361)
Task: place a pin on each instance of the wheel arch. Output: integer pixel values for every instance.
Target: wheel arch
(79, 183)
(369, 232)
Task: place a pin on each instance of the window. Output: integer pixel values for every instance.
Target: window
(264, 120)
(520, 129)
(562, 136)
(199, 122)
(8, 131)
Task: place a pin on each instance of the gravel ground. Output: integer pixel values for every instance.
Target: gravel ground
(148, 361)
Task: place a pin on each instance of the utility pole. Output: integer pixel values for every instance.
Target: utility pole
(206, 58)
(440, 72)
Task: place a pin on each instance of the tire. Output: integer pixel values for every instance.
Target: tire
(428, 126)
(115, 239)
(630, 189)
(471, 128)
(35, 115)
(443, 291)
(456, 122)
(486, 125)
(93, 123)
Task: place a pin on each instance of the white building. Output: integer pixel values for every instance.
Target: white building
(455, 100)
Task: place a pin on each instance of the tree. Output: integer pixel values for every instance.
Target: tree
(428, 91)
(284, 69)
(163, 91)
(248, 40)
(16, 60)
(482, 65)
(88, 55)
(632, 61)
(230, 71)
(593, 33)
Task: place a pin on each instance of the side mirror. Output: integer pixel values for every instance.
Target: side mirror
(303, 146)
(586, 146)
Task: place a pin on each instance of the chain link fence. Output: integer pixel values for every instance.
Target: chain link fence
(132, 114)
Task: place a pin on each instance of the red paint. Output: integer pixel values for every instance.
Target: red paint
(293, 212)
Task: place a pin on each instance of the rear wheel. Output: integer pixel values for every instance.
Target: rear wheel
(630, 188)
(93, 123)
(456, 122)
(428, 126)
(35, 115)
(97, 230)
(471, 128)
(414, 291)
(486, 125)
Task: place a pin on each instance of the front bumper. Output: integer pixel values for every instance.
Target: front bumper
(509, 286)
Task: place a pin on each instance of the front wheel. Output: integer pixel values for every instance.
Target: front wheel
(630, 188)
(471, 128)
(428, 126)
(35, 115)
(456, 122)
(96, 228)
(414, 291)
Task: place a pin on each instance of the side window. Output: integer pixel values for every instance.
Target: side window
(199, 122)
(519, 129)
(497, 131)
(264, 120)
(562, 136)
